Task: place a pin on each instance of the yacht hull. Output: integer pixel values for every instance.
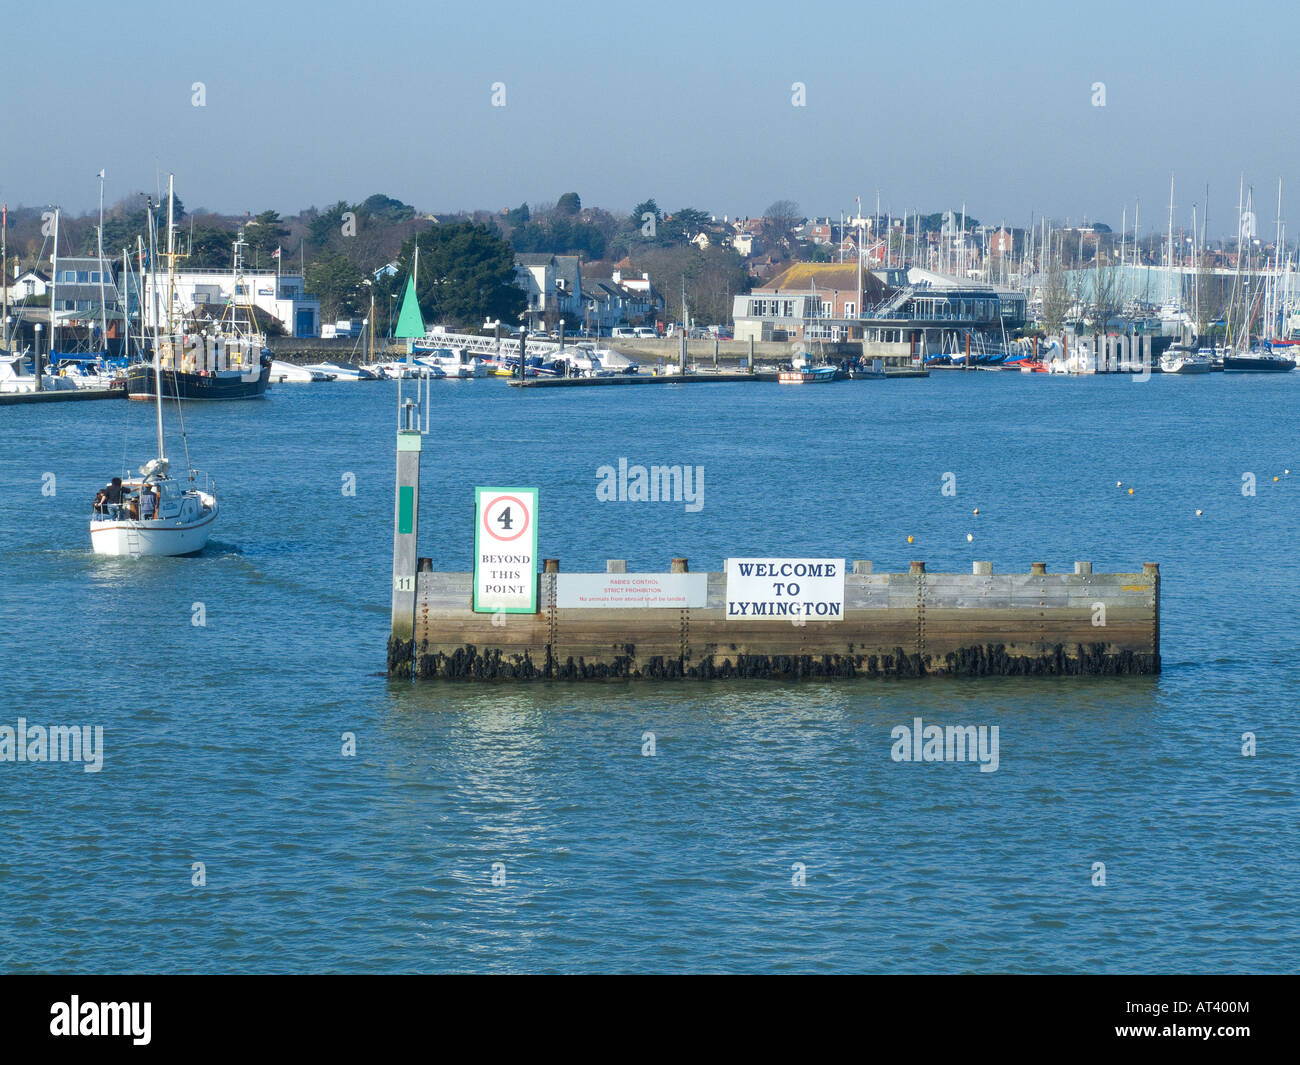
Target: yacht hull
(163, 538)
(1256, 364)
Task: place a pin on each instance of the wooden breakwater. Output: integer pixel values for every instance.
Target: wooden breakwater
(910, 624)
(616, 625)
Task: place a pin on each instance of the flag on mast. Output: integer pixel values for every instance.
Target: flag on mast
(275, 254)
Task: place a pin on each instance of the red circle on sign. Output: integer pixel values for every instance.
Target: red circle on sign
(506, 499)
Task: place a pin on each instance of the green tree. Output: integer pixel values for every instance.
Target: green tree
(681, 226)
(328, 224)
(568, 204)
(337, 282)
(385, 210)
(467, 275)
(264, 234)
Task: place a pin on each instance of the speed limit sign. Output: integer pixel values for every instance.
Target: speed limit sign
(505, 550)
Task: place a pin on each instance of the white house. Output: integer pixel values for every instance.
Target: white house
(32, 283)
(553, 285)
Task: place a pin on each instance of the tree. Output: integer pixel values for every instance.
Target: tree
(779, 221)
(264, 234)
(568, 204)
(1106, 295)
(467, 275)
(518, 217)
(712, 276)
(328, 224)
(681, 226)
(1055, 296)
(385, 210)
(337, 282)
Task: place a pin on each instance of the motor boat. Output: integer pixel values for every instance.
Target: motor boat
(288, 373)
(453, 362)
(342, 371)
(1184, 359)
(16, 377)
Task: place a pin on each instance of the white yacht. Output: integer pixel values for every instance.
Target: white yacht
(288, 373)
(453, 362)
(341, 371)
(16, 377)
(1184, 359)
(155, 514)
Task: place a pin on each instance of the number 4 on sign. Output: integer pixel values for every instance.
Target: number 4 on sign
(504, 520)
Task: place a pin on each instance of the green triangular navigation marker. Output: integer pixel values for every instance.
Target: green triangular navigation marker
(410, 323)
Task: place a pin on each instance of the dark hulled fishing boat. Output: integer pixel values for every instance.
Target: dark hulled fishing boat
(218, 380)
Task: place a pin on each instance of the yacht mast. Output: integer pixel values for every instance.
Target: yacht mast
(4, 273)
(125, 302)
(103, 307)
(54, 283)
(171, 299)
(1169, 246)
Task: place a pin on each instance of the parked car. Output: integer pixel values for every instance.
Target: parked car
(623, 334)
(645, 333)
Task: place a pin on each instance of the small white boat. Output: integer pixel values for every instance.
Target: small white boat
(16, 377)
(90, 373)
(341, 371)
(453, 362)
(813, 375)
(1184, 360)
(614, 362)
(288, 373)
(406, 371)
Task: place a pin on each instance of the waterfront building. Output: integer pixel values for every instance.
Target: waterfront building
(807, 301)
(935, 314)
(553, 286)
(204, 295)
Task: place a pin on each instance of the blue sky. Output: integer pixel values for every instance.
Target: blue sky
(931, 103)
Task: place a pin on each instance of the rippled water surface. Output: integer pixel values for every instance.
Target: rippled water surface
(223, 742)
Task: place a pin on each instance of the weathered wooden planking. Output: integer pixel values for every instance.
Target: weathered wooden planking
(900, 624)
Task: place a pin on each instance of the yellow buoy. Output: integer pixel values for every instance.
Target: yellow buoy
(1130, 491)
(909, 539)
(1276, 479)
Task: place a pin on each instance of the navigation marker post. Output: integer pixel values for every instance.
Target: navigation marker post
(406, 521)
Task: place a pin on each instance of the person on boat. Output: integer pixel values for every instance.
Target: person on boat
(110, 497)
(148, 502)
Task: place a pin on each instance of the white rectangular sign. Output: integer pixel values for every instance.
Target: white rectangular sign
(505, 550)
(785, 589)
(614, 590)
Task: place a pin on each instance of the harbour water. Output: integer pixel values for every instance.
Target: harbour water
(506, 828)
